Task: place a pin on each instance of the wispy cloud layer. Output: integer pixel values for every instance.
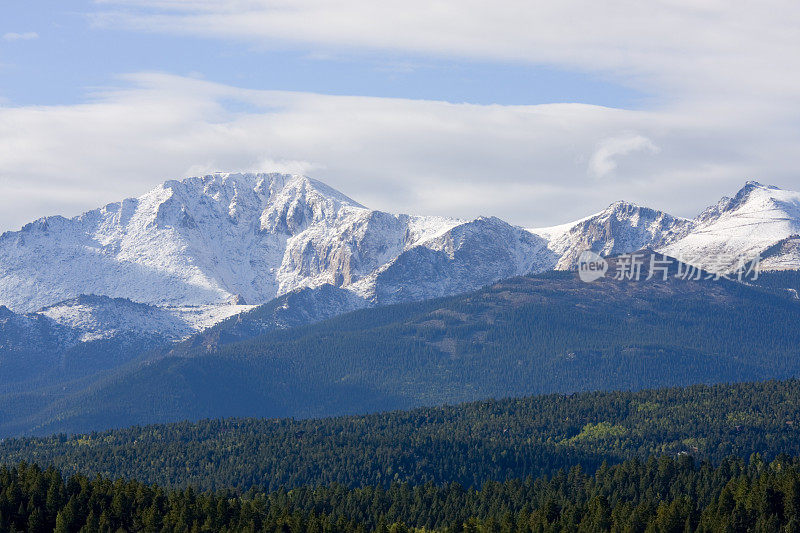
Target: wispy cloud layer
(532, 165)
(604, 160)
(723, 77)
(671, 47)
(27, 36)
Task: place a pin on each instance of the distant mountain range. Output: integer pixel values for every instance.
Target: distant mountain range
(201, 267)
(203, 249)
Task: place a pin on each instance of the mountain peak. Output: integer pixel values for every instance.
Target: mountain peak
(752, 184)
(623, 209)
(754, 187)
(621, 204)
(742, 227)
(626, 208)
(752, 192)
(763, 195)
(266, 183)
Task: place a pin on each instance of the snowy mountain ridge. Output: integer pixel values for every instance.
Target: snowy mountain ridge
(193, 252)
(205, 241)
(100, 317)
(620, 228)
(733, 230)
(743, 227)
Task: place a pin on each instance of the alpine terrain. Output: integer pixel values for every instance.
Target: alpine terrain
(160, 292)
(202, 249)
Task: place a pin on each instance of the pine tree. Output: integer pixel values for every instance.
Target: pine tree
(37, 522)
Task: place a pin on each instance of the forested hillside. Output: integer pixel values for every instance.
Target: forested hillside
(469, 444)
(662, 494)
(528, 335)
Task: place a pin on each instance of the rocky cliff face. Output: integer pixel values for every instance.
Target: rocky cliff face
(621, 228)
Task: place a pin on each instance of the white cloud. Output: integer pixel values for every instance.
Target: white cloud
(27, 36)
(604, 160)
(670, 47)
(527, 164)
(724, 79)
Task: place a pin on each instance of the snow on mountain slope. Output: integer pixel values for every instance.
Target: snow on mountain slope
(466, 257)
(352, 248)
(240, 238)
(88, 334)
(189, 253)
(783, 255)
(743, 227)
(101, 317)
(735, 230)
(203, 241)
(66, 343)
(31, 333)
(296, 308)
(193, 242)
(436, 263)
(621, 228)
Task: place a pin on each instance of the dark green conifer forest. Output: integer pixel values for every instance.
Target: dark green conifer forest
(700, 458)
(660, 494)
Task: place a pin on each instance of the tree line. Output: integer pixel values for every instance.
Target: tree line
(660, 494)
(470, 444)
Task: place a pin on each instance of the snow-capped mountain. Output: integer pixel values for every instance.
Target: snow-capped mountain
(465, 257)
(32, 333)
(759, 221)
(740, 228)
(783, 255)
(36, 349)
(620, 228)
(100, 317)
(197, 248)
(191, 253)
(200, 241)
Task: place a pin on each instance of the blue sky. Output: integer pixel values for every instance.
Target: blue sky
(537, 112)
(71, 55)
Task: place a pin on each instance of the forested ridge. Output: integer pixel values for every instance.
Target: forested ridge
(722, 457)
(660, 494)
(529, 335)
(469, 444)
